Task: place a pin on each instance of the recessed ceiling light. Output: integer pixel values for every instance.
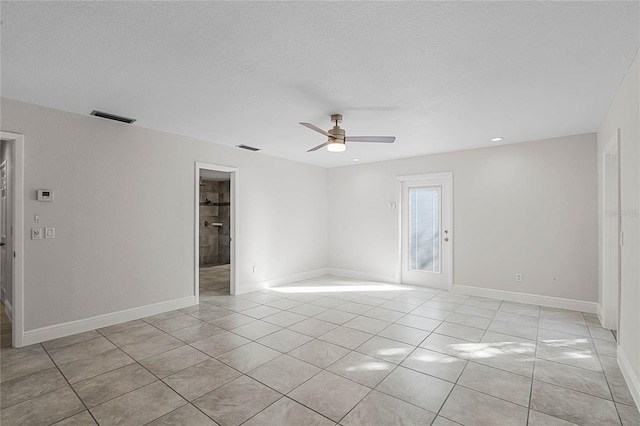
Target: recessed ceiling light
(356, 159)
(498, 139)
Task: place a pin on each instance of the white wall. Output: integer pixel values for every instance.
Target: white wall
(529, 208)
(124, 214)
(624, 114)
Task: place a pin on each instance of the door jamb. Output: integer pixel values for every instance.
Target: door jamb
(427, 176)
(234, 220)
(18, 236)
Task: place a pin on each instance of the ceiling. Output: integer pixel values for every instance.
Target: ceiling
(441, 76)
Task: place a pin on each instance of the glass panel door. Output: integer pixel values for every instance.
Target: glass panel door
(424, 229)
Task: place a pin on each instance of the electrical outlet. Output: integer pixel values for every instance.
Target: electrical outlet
(36, 233)
(49, 233)
(519, 278)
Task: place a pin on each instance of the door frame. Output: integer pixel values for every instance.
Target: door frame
(449, 250)
(17, 184)
(611, 292)
(234, 185)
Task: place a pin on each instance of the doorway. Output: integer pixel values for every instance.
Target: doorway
(11, 239)
(426, 243)
(216, 209)
(611, 235)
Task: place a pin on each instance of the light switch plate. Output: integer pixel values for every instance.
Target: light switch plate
(36, 233)
(49, 233)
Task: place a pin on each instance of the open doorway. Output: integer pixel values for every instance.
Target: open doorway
(215, 227)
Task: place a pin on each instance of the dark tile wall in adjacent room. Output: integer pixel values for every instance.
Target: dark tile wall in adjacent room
(215, 209)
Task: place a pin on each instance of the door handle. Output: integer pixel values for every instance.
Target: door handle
(2, 244)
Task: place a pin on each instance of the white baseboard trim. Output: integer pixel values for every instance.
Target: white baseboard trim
(43, 334)
(599, 312)
(629, 375)
(280, 281)
(359, 275)
(532, 299)
(8, 309)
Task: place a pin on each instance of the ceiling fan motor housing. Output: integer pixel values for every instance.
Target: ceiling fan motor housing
(337, 132)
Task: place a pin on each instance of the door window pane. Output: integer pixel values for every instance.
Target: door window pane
(424, 229)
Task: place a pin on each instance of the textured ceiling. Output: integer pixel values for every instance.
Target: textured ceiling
(441, 76)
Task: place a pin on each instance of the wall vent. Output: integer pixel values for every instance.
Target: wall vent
(248, 148)
(112, 117)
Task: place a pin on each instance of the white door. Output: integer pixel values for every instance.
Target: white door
(3, 229)
(611, 235)
(426, 231)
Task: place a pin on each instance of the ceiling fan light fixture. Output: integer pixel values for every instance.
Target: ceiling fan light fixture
(335, 146)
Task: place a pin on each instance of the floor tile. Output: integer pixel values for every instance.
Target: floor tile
(416, 388)
(319, 353)
(366, 370)
(416, 321)
(9, 354)
(327, 302)
(564, 327)
(572, 406)
(450, 297)
(501, 384)
(177, 323)
(563, 355)
(247, 357)
(134, 334)
(605, 347)
(435, 364)
(371, 300)
(185, 415)
(90, 367)
(283, 304)
(575, 378)
(70, 340)
(469, 320)
(231, 321)
(284, 373)
(471, 334)
(346, 337)
(562, 315)
(196, 332)
(629, 415)
(162, 316)
(479, 312)
(520, 309)
(483, 303)
(449, 345)
(380, 409)
(170, 362)
(329, 395)
(80, 419)
(469, 407)
(384, 314)
(436, 314)
(308, 310)
(255, 330)
(138, 407)
(30, 386)
(558, 339)
(200, 379)
(284, 340)
(537, 418)
(440, 305)
(620, 390)
(313, 327)
(386, 349)
(260, 311)
(366, 324)
(76, 351)
(335, 317)
(354, 308)
(220, 343)
(113, 384)
(399, 306)
(513, 318)
(284, 319)
(152, 346)
(286, 412)
(24, 366)
(237, 401)
(513, 329)
(601, 333)
(43, 410)
(441, 421)
(404, 334)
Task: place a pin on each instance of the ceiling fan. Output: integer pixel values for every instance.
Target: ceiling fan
(338, 139)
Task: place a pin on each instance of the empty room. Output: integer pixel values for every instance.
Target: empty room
(320, 213)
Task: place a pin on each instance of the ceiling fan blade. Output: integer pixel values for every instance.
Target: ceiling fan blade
(315, 148)
(376, 139)
(317, 129)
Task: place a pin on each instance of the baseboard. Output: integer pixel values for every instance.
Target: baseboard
(282, 280)
(359, 275)
(8, 309)
(43, 334)
(599, 313)
(532, 299)
(629, 375)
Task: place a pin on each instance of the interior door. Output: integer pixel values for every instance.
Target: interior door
(611, 236)
(3, 228)
(426, 232)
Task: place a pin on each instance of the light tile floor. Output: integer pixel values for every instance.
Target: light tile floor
(323, 352)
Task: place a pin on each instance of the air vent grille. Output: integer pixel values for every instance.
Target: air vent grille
(248, 148)
(112, 117)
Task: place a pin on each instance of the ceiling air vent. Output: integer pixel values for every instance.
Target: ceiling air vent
(248, 148)
(112, 117)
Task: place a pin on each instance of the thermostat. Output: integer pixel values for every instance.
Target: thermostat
(45, 195)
